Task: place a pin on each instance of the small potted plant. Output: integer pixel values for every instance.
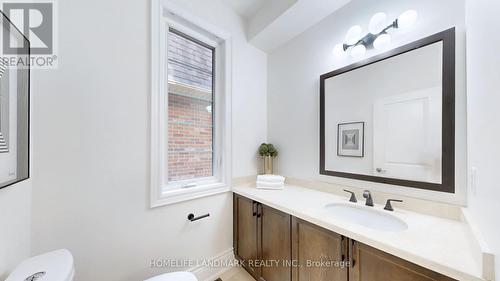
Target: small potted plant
(267, 151)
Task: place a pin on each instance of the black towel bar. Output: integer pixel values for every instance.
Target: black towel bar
(191, 217)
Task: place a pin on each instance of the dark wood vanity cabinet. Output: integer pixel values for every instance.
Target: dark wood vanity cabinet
(370, 264)
(315, 251)
(245, 240)
(262, 240)
(274, 246)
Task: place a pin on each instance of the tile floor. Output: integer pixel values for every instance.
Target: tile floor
(236, 274)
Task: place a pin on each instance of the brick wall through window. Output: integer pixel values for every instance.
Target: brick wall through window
(189, 137)
(190, 102)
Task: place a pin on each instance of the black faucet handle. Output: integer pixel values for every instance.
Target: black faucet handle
(388, 205)
(353, 196)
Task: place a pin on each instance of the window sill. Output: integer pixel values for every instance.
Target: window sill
(180, 195)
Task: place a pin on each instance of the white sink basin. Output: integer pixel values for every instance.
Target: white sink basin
(366, 216)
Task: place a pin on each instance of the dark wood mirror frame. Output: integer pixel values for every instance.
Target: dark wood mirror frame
(447, 184)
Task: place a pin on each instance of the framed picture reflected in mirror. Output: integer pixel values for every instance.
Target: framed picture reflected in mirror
(350, 139)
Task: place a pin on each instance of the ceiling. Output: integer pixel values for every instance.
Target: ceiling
(246, 8)
(272, 23)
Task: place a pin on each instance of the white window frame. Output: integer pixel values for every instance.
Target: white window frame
(167, 15)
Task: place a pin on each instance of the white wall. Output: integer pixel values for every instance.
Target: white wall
(293, 87)
(15, 226)
(483, 99)
(91, 144)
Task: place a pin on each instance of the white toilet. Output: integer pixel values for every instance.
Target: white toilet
(59, 266)
(54, 266)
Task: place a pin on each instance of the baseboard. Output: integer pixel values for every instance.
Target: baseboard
(210, 273)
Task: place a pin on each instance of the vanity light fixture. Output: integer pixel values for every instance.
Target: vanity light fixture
(378, 36)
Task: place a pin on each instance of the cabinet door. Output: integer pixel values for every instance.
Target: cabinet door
(318, 252)
(245, 233)
(370, 264)
(275, 244)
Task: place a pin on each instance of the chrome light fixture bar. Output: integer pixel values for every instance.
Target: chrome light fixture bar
(378, 36)
(369, 38)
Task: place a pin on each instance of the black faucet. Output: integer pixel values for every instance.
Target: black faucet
(388, 205)
(369, 199)
(353, 196)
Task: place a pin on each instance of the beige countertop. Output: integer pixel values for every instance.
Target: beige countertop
(439, 244)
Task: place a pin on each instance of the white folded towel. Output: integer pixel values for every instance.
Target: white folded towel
(270, 178)
(270, 185)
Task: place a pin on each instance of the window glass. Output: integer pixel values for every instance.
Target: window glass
(190, 108)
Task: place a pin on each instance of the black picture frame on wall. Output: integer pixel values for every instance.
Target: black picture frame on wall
(447, 184)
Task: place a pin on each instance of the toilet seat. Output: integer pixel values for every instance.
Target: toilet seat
(174, 276)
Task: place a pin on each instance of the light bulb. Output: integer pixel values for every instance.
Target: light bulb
(407, 19)
(353, 35)
(377, 23)
(382, 42)
(338, 50)
(358, 51)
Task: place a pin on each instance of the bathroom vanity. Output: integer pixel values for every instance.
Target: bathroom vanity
(266, 238)
(388, 119)
(292, 235)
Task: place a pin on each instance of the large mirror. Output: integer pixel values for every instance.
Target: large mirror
(390, 118)
(14, 104)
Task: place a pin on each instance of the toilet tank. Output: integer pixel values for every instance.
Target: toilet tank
(54, 266)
